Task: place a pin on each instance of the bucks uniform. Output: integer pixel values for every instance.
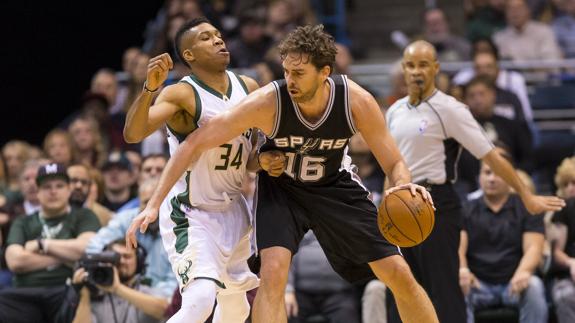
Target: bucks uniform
(205, 221)
(317, 190)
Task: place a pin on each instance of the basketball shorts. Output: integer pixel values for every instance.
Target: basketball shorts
(340, 214)
(213, 245)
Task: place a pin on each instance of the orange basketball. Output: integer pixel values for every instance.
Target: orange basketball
(405, 220)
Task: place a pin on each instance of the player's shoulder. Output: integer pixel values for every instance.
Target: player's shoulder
(250, 83)
(358, 95)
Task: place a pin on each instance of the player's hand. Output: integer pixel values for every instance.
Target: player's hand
(291, 304)
(413, 188)
(140, 222)
(519, 282)
(273, 161)
(158, 69)
(537, 204)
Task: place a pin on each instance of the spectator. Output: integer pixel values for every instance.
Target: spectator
(15, 154)
(28, 187)
(564, 28)
(105, 82)
(87, 142)
(127, 298)
(565, 178)
(398, 85)
(436, 31)
(501, 246)
(251, 44)
(315, 288)
(40, 248)
(159, 269)
(58, 147)
(152, 167)
(280, 19)
(509, 84)
(486, 18)
(128, 64)
(525, 39)
(480, 95)
(117, 173)
(563, 287)
(373, 303)
(80, 186)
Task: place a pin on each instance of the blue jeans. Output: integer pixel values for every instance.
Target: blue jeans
(531, 303)
(5, 278)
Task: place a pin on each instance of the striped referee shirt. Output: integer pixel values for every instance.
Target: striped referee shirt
(430, 136)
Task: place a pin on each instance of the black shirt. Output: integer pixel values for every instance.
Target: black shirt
(496, 239)
(567, 217)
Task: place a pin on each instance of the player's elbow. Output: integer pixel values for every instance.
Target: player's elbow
(131, 137)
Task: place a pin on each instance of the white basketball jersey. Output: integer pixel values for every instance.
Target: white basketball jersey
(216, 177)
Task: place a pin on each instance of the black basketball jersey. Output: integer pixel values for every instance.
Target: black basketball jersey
(316, 152)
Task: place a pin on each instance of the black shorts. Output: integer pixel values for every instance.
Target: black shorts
(341, 216)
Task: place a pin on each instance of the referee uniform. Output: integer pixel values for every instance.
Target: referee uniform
(430, 136)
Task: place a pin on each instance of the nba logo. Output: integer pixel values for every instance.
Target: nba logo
(422, 126)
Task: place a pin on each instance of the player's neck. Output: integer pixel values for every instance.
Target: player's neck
(216, 80)
(415, 98)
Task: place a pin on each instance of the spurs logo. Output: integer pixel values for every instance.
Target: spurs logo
(310, 144)
(183, 269)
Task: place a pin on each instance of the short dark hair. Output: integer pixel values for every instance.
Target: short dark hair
(182, 31)
(492, 47)
(481, 79)
(311, 40)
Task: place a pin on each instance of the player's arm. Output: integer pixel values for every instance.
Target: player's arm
(257, 110)
(141, 119)
(370, 122)
(535, 204)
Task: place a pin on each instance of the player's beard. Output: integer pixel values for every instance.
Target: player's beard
(306, 96)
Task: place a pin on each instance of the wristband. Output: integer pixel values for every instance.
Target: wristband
(148, 90)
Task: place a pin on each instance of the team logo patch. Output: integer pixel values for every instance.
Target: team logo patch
(183, 270)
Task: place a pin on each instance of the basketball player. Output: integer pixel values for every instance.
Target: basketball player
(429, 127)
(310, 116)
(205, 223)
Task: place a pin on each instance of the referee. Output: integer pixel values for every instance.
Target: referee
(430, 127)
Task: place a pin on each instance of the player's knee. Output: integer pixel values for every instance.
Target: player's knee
(273, 273)
(398, 277)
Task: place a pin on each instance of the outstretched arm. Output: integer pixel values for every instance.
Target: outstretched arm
(535, 204)
(256, 110)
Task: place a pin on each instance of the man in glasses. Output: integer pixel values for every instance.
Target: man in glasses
(80, 187)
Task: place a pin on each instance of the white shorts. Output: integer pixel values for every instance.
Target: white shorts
(212, 245)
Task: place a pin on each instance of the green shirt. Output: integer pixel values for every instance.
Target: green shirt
(67, 226)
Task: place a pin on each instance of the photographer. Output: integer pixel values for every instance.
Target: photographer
(159, 269)
(40, 247)
(125, 299)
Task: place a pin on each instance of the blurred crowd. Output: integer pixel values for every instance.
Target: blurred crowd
(86, 171)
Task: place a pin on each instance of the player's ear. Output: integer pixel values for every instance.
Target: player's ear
(188, 55)
(325, 71)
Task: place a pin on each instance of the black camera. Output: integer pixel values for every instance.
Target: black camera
(100, 267)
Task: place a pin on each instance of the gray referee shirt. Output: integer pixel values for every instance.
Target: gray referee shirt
(430, 136)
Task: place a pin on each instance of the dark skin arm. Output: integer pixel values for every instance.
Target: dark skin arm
(255, 111)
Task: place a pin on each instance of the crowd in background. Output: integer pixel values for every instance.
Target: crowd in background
(114, 179)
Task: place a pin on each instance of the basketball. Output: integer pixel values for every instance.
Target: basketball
(405, 220)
